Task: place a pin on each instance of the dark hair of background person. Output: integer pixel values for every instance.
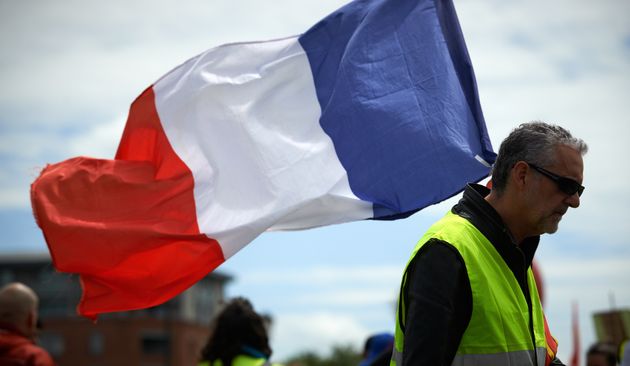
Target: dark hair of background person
(607, 350)
(237, 328)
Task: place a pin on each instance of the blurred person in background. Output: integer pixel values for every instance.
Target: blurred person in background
(238, 337)
(378, 350)
(18, 328)
(624, 353)
(601, 354)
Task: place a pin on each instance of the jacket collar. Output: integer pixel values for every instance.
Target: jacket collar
(487, 220)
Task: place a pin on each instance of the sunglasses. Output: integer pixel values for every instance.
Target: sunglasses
(566, 185)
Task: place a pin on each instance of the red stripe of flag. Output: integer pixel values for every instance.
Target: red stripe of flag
(127, 225)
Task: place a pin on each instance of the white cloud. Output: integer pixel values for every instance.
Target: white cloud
(316, 331)
(587, 269)
(65, 63)
(351, 287)
(100, 140)
(590, 280)
(30, 152)
(14, 198)
(326, 275)
(349, 297)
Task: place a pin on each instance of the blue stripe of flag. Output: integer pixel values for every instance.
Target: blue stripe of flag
(399, 101)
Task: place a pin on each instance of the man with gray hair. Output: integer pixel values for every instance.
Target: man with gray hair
(18, 326)
(468, 294)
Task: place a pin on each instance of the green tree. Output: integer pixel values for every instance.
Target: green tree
(340, 355)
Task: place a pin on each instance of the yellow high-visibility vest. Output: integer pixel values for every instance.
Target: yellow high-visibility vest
(242, 360)
(499, 330)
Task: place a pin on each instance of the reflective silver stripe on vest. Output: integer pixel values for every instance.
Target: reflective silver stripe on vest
(397, 358)
(517, 358)
(541, 355)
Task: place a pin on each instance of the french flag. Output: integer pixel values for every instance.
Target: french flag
(373, 113)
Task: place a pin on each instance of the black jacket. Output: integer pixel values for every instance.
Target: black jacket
(438, 294)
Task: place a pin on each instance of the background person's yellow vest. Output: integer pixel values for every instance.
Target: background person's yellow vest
(242, 360)
(499, 332)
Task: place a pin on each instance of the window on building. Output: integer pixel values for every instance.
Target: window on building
(155, 343)
(96, 343)
(6, 276)
(52, 342)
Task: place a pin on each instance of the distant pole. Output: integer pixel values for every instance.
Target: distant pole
(611, 299)
(575, 356)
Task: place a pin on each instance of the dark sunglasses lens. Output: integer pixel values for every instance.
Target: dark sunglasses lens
(570, 187)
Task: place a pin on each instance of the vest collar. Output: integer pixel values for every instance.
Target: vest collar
(480, 213)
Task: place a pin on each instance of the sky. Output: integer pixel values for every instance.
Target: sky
(70, 69)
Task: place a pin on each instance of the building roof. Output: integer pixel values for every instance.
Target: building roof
(29, 259)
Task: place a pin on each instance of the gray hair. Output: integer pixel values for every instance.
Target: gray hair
(532, 142)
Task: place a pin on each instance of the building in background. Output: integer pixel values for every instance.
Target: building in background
(170, 334)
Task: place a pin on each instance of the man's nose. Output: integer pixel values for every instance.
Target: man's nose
(573, 200)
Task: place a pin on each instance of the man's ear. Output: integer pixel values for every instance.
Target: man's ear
(518, 174)
(31, 321)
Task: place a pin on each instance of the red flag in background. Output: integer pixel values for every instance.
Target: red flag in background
(539, 282)
(575, 356)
